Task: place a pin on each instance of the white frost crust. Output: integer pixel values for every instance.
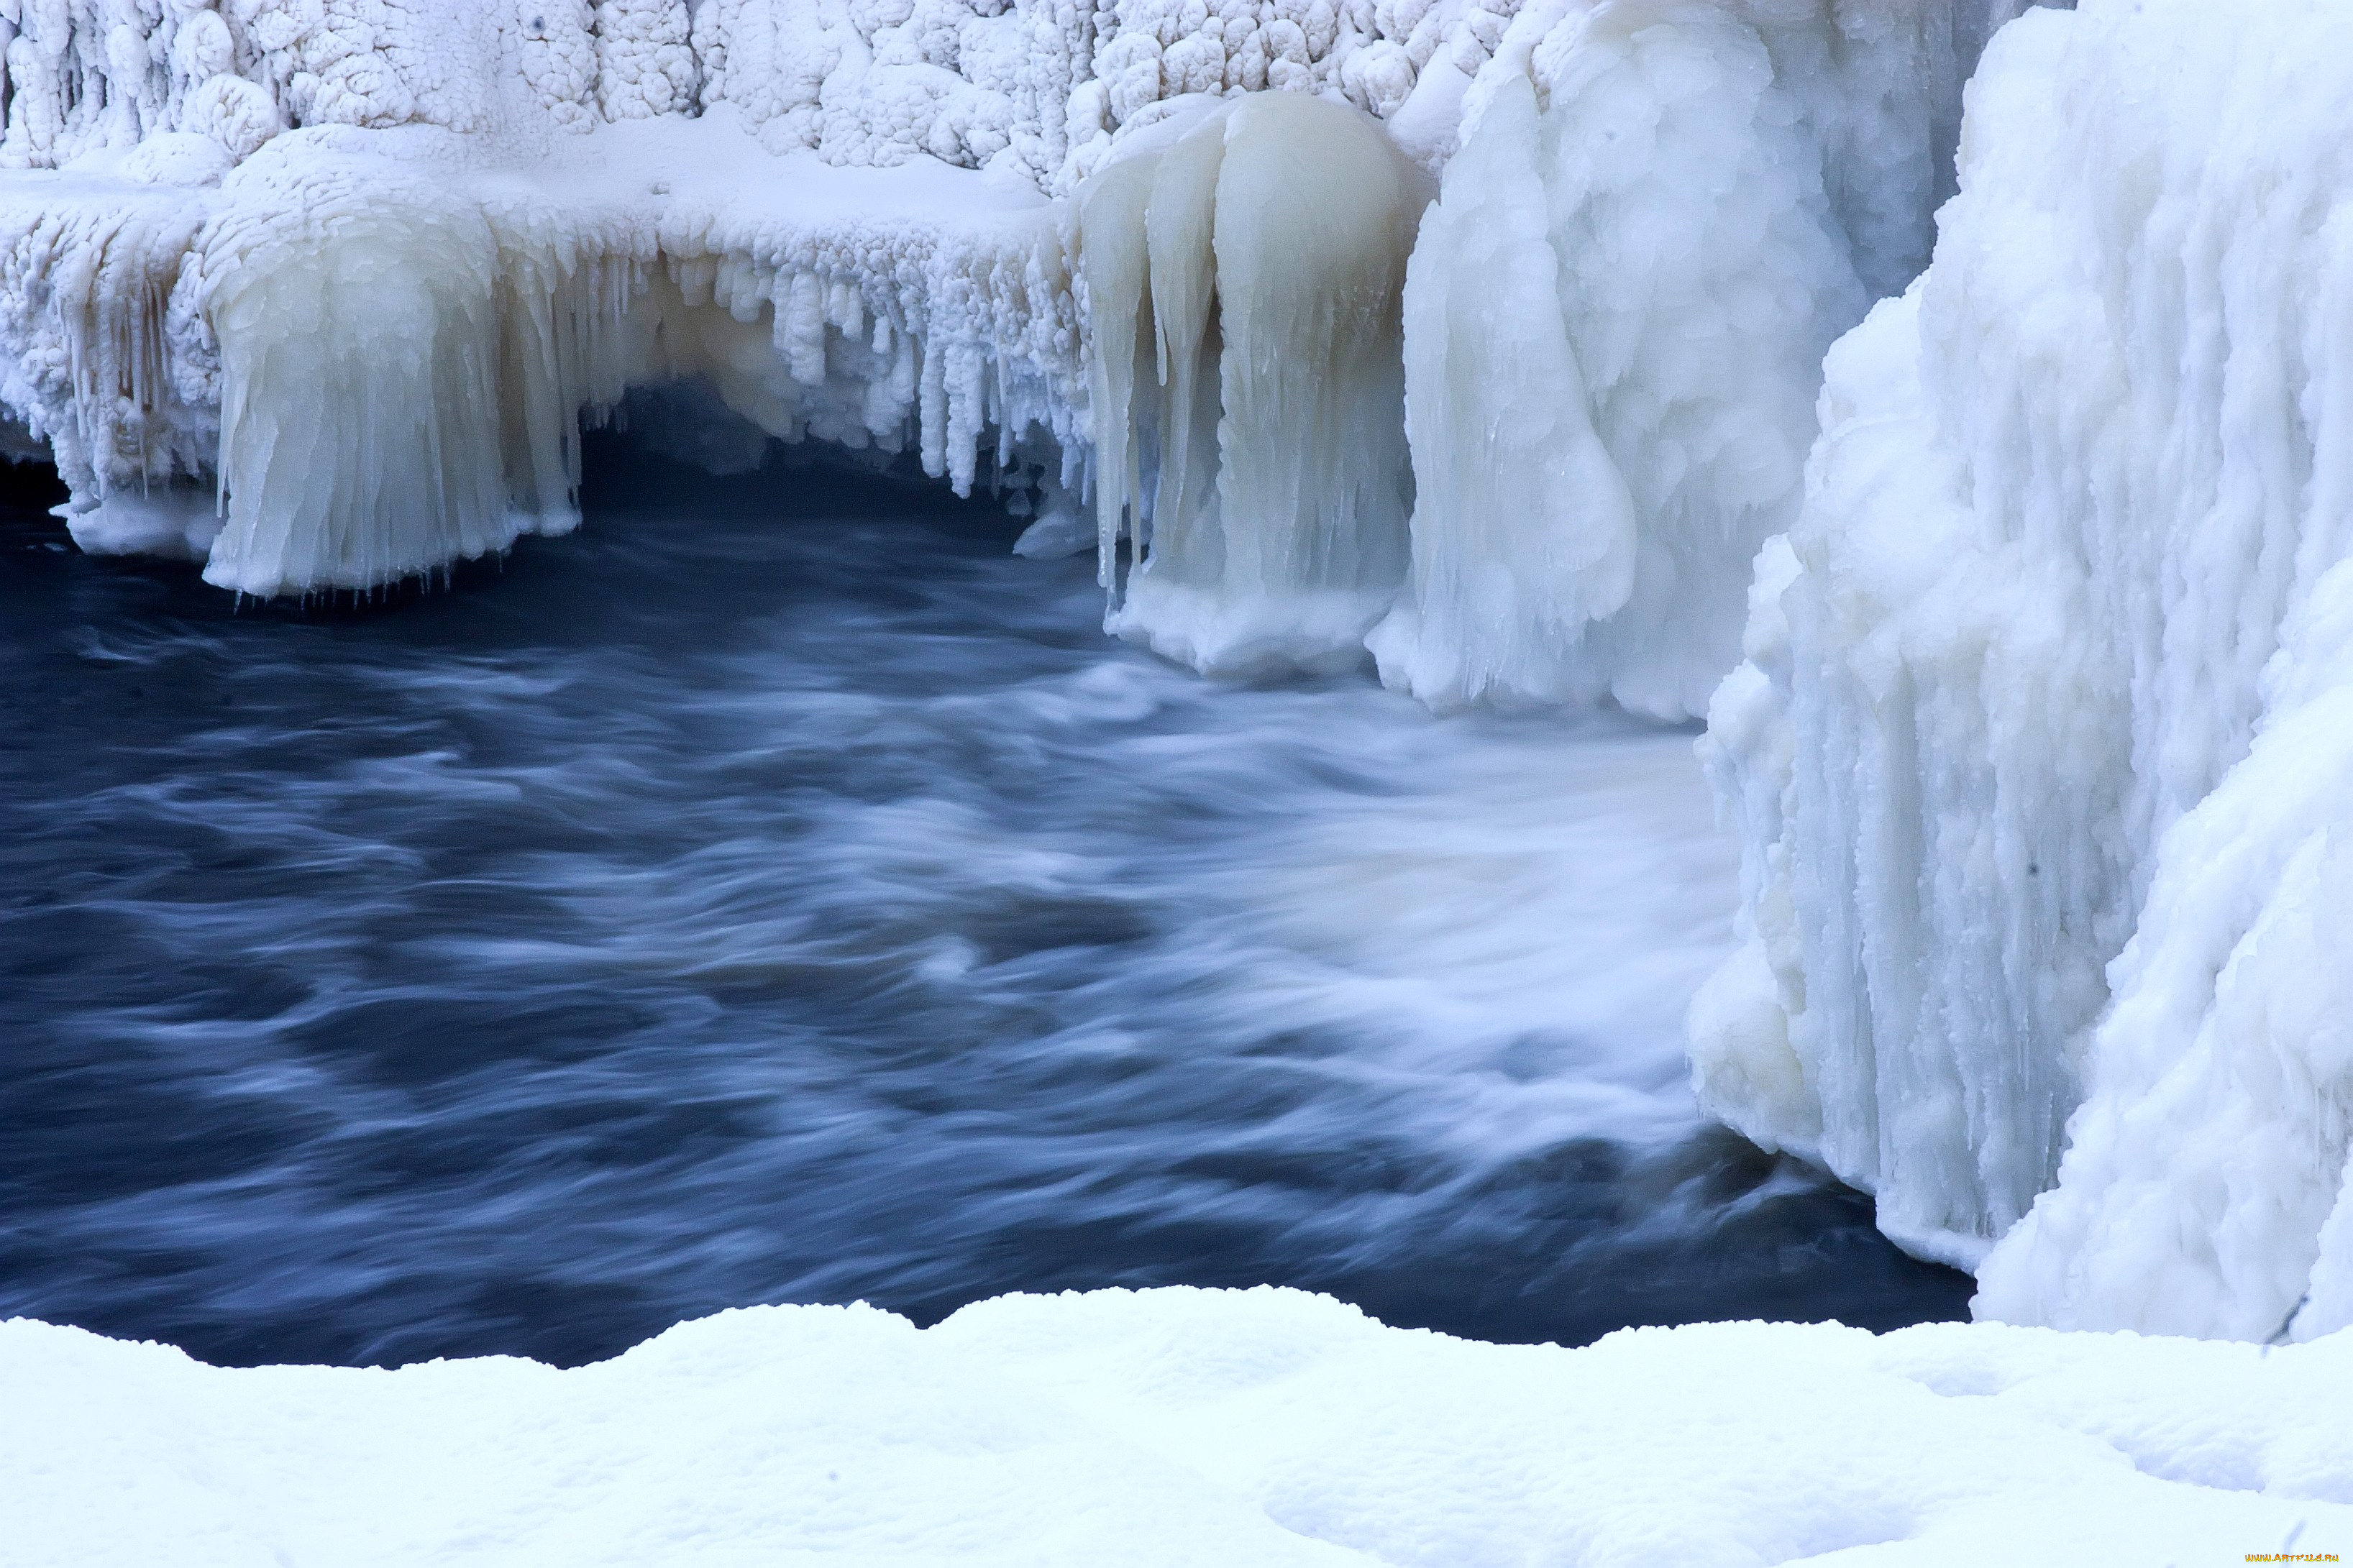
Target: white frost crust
(2038, 752)
(1187, 1428)
(1605, 436)
(1244, 281)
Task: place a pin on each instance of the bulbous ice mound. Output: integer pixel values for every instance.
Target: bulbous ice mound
(364, 273)
(1243, 279)
(2041, 749)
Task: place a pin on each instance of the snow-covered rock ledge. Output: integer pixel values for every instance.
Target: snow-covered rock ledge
(1187, 1427)
(314, 291)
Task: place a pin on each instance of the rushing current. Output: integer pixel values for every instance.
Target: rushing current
(778, 891)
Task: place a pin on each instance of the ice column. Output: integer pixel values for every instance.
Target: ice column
(360, 407)
(1243, 279)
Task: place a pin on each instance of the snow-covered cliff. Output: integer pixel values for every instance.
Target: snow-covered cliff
(2041, 749)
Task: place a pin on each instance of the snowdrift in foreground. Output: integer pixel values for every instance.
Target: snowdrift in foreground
(2043, 752)
(1187, 1427)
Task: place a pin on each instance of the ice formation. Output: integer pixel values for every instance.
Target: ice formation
(1242, 280)
(2031, 730)
(1661, 216)
(598, 192)
(318, 291)
(2041, 745)
(1186, 1427)
(477, 202)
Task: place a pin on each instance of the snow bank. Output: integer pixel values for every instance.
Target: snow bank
(2039, 750)
(1187, 1427)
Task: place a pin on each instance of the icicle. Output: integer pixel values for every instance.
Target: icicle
(1112, 264)
(800, 328)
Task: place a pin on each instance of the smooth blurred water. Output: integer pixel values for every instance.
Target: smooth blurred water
(777, 892)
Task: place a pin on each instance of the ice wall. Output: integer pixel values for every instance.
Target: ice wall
(1663, 213)
(2039, 750)
(1660, 214)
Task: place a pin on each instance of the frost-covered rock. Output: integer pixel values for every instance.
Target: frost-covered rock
(1185, 1427)
(2038, 752)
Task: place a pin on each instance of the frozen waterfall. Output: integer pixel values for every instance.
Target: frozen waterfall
(1525, 349)
(2040, 752)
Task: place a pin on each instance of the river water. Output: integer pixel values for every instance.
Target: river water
(778, 891)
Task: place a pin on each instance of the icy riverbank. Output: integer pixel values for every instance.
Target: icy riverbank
(1185, 1426)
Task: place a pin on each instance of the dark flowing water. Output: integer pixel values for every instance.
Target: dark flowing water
(778, 892)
